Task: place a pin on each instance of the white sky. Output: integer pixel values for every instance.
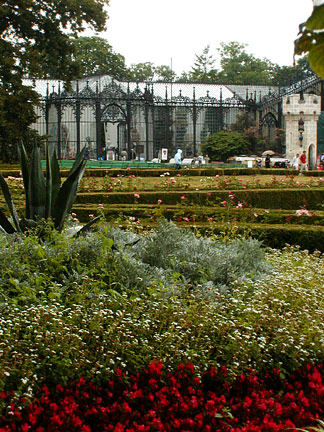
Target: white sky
(158, 31)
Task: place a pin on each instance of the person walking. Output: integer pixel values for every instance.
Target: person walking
(267, 161)
(295, 162)
(303, 162)
(177, 159)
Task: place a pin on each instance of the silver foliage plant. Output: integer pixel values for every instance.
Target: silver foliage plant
(170, 256)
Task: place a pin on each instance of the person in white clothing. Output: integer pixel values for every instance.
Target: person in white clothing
(295, 162)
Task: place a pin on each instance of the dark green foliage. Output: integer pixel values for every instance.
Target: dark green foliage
(239, 67)
(34, 42)
(96, 57)
(222, 145)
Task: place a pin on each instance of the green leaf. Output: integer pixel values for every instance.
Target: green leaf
(316, 20)
(36, 186)
(315, 58)
(66, 195)
(5, 224)
(24, 164)
(9, 201)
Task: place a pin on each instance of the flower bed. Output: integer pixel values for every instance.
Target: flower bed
(154, 400)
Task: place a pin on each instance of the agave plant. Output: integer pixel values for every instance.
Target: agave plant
(45, 197)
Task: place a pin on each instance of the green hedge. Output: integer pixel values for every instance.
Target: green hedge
(199, 172)
(156, 172)
(201, 213)
(289, 199)
(278, 236)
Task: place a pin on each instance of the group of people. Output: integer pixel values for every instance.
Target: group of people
(299, 162)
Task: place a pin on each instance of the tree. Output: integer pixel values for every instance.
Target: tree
(95, 56)
(203, 70)
(286, 75)
(34, 41)
(239, 67)
(222, 145)
(311, 39)
(142, 71)
(164, 73)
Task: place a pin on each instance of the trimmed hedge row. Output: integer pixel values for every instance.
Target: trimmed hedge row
(156, 172)
(278, 236)
(201, 213)
(289, 199)
(195, 172)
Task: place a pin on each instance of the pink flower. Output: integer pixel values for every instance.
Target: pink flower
(100, 206)
(178, 175)
(223, 203)
(185, 219)
(216, 175)
(128, 168)
(129, 176)
(73, 215)
(136, 195)
(135, 187)
(159, 201)
(255, 215)
(183, 197)
(91, 216)
(209, 193)
(210, 219)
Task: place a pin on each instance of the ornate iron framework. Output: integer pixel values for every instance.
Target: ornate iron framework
(119, 103)
(165, 121)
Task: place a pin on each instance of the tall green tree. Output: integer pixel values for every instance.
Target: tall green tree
(286, 75)
(203, 69)
(34, 40)
(164, 73)
(239, 67)
(95, 56)
(142, 71)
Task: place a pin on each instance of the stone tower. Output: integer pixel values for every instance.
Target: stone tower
(301, 112)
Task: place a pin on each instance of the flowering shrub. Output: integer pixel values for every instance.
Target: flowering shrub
(154, 400)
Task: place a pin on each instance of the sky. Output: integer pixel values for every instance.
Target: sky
(172, 32)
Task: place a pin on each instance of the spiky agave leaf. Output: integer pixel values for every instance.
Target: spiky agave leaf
(48, 204)
(56, 179)
(36, 186)
(53, 179)
(77, 162)
(67, 194)
(9, 201)
(5, 224)
(24, 164)
(86, 227)
(26, 224)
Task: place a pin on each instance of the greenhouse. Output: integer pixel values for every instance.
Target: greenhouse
(125, 120)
